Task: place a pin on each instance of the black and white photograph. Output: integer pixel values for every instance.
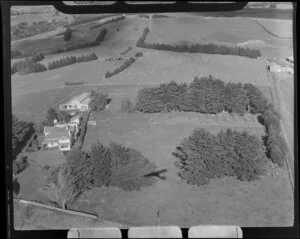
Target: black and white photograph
(152, 119)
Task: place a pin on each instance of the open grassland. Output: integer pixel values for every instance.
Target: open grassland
(225, 201)
(156, 67)
(41, 219)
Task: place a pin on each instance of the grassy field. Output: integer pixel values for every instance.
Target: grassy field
(224, 201)
(266, 202)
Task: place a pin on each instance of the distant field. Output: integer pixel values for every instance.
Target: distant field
(14, 20)
(156, 67)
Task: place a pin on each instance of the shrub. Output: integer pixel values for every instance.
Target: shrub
(125, 65)
(203, 156)
(20, 164)
(257, 102)
(15, 54)
(138, 54)
(68, 34)
(98, 101)
(37, 57)
(127, 106)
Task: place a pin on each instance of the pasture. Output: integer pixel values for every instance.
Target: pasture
(223, 201)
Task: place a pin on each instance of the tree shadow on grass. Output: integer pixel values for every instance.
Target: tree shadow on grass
(157, 174)
(16, 187)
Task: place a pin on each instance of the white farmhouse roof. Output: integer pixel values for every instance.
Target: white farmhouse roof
(80, 98)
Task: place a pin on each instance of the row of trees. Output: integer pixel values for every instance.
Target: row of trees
(204, 156)
(113, 165)
(69, 60)
(27, 66)
(85, 19)
(124, 66)
(70, 83)
(116, 19)
(204, 95)
(74, 46)
(210, 48)
(21, 133)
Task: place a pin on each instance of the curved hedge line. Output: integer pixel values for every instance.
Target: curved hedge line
(125, 65)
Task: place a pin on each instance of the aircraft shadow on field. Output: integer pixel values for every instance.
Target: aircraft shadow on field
(157, 174)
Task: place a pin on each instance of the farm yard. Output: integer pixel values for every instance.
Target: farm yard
(264, 202)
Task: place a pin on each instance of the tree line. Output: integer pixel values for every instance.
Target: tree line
(210, 48)
(84, 19)
(204, 156)
(116, 19)
(124, 66)
(29, 65)
(211, 96)
(69, 60)
(203, 95)
(112, 165)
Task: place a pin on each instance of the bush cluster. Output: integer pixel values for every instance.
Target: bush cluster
(20, 164)
(98, 101)
(68, 34)
(204, 156)
(116, 19)
(124, 66)
(204, 95)
(112, 165)
(70, 83)
(138, 54)
(69, 60)
(27, 66)
(275, 144)
(15, 54)
(37, 57)
(127, 106)
(21, 133)
(210, 48)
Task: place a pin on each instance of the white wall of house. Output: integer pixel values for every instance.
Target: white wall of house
(52, 144)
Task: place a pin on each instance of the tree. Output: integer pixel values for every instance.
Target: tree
(68, 34)
(60, 187)
(257, 101)
(98, 101)
(63, 116)
(51, 116)
(127, 106)
(100, 158)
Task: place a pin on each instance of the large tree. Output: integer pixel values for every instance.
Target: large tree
(51, 116)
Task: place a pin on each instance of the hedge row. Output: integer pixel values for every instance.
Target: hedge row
(86, 20)
(116, 19)
(126, 64)
(67, 83)
(69, 60)
(27, 66)
(210, 48)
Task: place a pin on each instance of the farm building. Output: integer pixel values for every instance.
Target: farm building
(80, 102)
(56, 137)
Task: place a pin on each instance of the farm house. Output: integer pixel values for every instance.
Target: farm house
(56, 137)
(80, 103)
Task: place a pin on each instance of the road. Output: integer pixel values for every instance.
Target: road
(284, 122)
